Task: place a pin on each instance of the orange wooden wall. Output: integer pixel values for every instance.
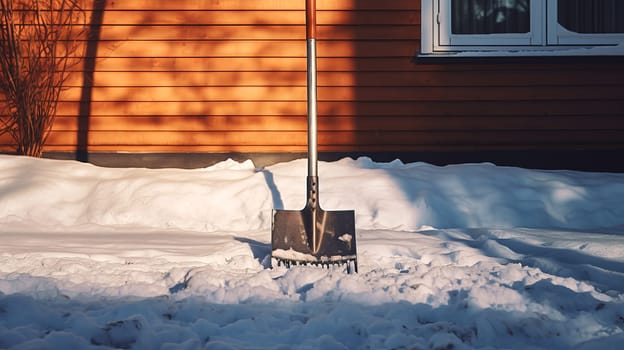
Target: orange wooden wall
(229, 76)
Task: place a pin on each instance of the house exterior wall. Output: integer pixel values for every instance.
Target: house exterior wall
(229, 76)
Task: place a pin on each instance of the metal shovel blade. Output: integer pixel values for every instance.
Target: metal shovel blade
(314, 236)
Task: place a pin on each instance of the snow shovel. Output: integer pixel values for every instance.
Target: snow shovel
(312, 235)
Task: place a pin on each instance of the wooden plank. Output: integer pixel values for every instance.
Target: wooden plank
(255, 32)
(208, 64)
(191, 108)
(122, 138)
(212, 123)
(527, 108)
(187, 123)
(193, 79)
(209, 48)
(209, 17)
(254, 17)
(342, 138)
(347, 79)
(453, 94)
(271, 64)
(492, 138)
(538, 108)
(194, 32)
(6, 142)
(257, 4)
(359, 64)
(298, 93)
(188, 94)
(332, 148)
(253, 48)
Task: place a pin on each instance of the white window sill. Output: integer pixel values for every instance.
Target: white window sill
(559, 51)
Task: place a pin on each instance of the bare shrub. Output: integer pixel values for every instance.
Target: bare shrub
(39, 43)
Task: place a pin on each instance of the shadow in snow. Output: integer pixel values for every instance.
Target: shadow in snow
(260, 251)
(324, 323)
(483, 195)
(275, 193)
(182, 285)
(603, 273)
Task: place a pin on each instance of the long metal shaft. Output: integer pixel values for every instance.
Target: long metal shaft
(312, 179)
(312, 111)
(311, 86)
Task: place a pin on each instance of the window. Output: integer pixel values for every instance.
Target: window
(523, 27)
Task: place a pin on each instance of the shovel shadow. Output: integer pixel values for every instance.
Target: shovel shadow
(278, 203)
(260, 251)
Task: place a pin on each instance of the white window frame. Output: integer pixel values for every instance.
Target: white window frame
(545, 38)
(447, 38)
(558, 35)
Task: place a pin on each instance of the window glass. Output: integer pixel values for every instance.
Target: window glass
(591, 16)
(490, 16)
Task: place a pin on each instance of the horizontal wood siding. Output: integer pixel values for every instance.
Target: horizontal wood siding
(229, 76)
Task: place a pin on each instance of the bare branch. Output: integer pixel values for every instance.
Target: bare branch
(38, 46)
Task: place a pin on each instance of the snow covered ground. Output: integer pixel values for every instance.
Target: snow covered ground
(456, 257)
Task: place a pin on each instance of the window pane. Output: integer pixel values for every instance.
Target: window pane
(490, 16)
(591, 16)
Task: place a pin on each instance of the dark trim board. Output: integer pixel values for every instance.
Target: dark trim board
(584, 160)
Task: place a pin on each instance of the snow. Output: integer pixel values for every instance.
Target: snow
(470, 256)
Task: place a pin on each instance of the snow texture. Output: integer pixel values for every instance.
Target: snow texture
(470, 256)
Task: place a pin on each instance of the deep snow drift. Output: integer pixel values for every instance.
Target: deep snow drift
(464, 256)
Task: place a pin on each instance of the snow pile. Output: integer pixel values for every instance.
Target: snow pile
(457, 257)
(65, 193)
(235, 196)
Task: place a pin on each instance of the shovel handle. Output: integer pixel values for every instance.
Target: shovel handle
(310, 19)
(311, 87)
